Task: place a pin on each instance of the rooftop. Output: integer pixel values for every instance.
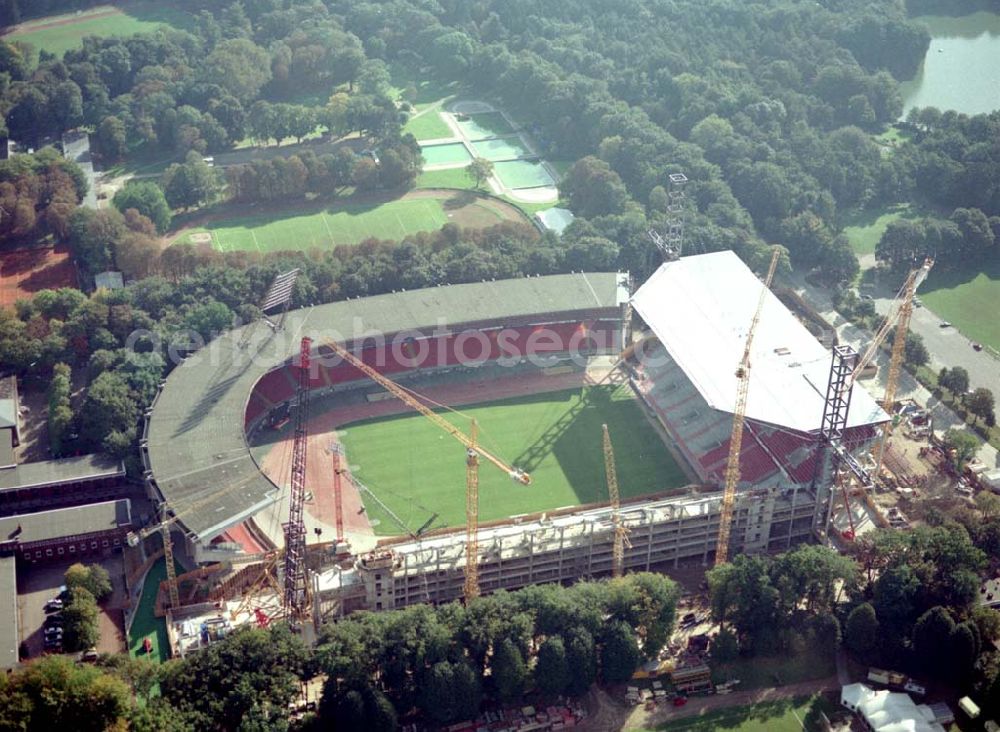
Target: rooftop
(56, 472)
(29, 528)
(196, 445)
(700, 308)
(8, 611)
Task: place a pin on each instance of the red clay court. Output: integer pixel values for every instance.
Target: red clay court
(23, 272)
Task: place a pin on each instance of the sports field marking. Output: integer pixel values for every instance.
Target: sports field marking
(551, 431)
(255, 243)
(333, 241)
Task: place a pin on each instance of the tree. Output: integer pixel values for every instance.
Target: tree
(240, 65)
(93, 236)
(593, 188)
(581, 658)
(81, 627)
(932, 635)
(862, 631)
(93, 578)
(963, 443)
(955, 380)
(107, 408)
(480, 170)
(619, 653)
(209, 319)
(988, 504)
(251, 667)
(981, 404)
(509, 672)
(914, 351)
(60, 415)
(725, 646)
(189, 184)
(147, 198)
(111, 138)
(55, 692)
(552, 674)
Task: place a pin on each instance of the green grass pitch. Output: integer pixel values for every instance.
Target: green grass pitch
(136, 17)
(786, 715)
(428, 126)
(350, 224)
(417, 470)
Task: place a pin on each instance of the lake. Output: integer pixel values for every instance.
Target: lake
(962, 68)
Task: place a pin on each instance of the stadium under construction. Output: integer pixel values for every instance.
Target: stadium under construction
(691, 321)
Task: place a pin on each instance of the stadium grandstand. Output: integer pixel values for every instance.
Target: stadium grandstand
(195, 446)
(697, 308)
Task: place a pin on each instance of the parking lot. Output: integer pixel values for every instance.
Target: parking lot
(37, 585)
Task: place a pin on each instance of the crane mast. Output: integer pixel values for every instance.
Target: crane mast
(295, 584)
(732, 476)
(898, 348)
(471, 587)
(845, 370)
(620, 538)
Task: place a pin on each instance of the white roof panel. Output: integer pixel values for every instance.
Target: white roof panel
(700, 308)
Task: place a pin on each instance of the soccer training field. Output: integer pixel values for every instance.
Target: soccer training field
(59, 33)
(417, 470)
(787, 715)
(350, 222)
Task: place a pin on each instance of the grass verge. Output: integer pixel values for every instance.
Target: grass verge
(785, 715)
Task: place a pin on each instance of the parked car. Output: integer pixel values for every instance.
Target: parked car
(945, 324)
(977, 346)
(89, 656)
(53, 605)
(52, 633)
(55, 620)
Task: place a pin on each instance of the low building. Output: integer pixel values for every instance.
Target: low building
(84, 531)
(10, 415)
(52, 484)
(8, 613)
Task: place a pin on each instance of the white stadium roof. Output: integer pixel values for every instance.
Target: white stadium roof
(700, 308)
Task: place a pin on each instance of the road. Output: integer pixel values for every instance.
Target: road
(951, 345)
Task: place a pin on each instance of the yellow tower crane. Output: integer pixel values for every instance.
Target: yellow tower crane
(620, 540)
(736, 436)
(473, 452)
(471, 587)
(904, 300)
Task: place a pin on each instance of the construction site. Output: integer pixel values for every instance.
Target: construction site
(777, 441)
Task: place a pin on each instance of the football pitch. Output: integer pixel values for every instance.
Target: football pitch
(786, 715)
(325, 229)
(417, 471)
(59, 33)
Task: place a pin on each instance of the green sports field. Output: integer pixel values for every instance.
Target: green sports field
(522, 173)
(417, 470)
(325, 229)
(428, 125)
(452, 152)
(787, 715)
(501, 148)
(485, 124)
(969, 298)
(146, 624)
(59, 33)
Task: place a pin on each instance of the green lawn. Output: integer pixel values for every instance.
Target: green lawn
(417, 470)
(347, 223)
(969, 297)
(785, 715)
(133, 17)
(146, 624)
(447, 178)
(865, 228)
(428, 126)
(766, 671)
